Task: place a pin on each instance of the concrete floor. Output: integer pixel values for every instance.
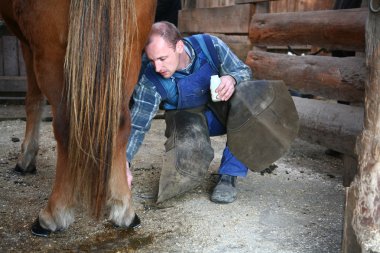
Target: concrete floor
(298, 208)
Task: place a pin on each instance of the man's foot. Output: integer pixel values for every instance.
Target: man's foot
(225, 191)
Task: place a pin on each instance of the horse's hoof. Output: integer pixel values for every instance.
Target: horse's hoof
(30, 169)
(136, 222)
(38, 230)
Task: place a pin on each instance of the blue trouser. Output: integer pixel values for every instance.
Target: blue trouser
(229, 165)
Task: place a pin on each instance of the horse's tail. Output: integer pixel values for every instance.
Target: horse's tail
(94, 74)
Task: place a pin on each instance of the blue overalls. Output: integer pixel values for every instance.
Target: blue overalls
(186, 91)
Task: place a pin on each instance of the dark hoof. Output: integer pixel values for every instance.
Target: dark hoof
(136, 222)
(38, 230)
(30, 169)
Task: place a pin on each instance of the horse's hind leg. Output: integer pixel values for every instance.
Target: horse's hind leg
(120, 198)
(58, 214)
(34, 103)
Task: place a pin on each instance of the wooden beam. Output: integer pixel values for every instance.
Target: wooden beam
(330, 77)
(229, 20)
(366, 185)
(331, 125)
(331, 29)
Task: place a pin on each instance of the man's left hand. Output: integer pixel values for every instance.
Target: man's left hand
(226, 87)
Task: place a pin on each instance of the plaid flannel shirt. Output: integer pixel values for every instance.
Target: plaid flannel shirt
(146, 99)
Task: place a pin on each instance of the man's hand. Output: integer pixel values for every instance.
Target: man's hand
(226, 87)
(129, 176)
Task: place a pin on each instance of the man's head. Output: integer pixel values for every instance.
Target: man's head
(164, 48)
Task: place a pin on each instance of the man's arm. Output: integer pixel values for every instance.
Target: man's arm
(230, 63)
(146, 103)
(232, 69)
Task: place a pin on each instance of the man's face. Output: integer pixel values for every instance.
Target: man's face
(163, 56)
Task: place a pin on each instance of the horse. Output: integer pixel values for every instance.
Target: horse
(84, 58)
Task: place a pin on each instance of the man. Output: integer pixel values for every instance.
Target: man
(178, 78)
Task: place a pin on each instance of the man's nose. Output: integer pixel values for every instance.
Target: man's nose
(157, 66)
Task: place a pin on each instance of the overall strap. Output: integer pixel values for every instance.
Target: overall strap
(203, 43)
(153, 77)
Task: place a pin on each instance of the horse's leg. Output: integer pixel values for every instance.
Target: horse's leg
(120, 198)
(58, 213)
(34, 103)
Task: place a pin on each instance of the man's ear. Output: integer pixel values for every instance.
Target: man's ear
(179, 46)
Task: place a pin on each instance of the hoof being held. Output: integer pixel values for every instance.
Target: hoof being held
(31, 169)
(38, 230)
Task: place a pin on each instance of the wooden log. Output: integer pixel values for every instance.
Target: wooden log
(331, 125)
(229, 20)
(366, 185)
(331, 29)
(330, 77)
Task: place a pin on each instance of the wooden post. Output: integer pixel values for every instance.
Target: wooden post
(364, 197)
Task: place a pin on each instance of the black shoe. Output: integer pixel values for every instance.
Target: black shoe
(225, 191)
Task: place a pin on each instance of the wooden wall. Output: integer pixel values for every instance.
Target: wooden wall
(12, 67)
(300, 5)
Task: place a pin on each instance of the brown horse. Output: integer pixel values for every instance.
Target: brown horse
(84, 57)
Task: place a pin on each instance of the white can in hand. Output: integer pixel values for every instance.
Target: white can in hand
(214, 83)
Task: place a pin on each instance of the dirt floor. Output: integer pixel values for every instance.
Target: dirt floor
(298, 207)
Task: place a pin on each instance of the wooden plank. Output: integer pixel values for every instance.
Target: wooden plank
(21, 63)
(1, 57)
(261, 7)
(300, 5)
(229, 20)
(251, 1)
(330, 77)
(188, 4)
(332, 125)
(13, 112)
(240, 45)
(3, 29)
(213, 3)
(331, 29)
(13, 84)
(10, 54)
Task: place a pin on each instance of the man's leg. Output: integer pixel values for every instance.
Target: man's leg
(188, 153)
(225, 191)
(230, 167)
